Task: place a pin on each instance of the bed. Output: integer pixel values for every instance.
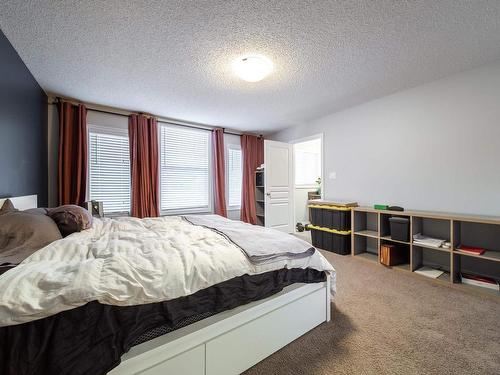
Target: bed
(225, 313)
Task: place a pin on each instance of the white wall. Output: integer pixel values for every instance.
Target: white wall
(300, 204)
(433, 147)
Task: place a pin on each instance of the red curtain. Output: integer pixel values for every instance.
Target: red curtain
(219, 172)
(72, 158)
(253, 156)
(143, 137)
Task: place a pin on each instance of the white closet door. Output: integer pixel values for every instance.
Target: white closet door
(278, 181)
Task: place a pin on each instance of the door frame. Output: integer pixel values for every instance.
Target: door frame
(321, 136)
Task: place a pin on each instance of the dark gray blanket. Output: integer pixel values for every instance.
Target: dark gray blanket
(261, 245)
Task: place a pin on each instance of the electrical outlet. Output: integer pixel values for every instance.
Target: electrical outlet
(332, 175)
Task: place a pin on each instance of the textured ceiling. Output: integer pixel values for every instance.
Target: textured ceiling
(173, 58)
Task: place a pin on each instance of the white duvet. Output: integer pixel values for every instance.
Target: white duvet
(125, 262)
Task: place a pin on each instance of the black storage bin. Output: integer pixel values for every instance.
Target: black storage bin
(336, 243)
(317, 216)
(400, 228)
(336, 219)
(339, 220)
(345, 220)
(327, 218)
(317, 238)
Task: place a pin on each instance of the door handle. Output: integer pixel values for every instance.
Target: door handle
(268, 194)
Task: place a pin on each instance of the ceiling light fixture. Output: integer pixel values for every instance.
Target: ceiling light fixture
(252, 68)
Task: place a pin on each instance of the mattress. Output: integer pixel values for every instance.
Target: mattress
(129, 262)
(91, 339)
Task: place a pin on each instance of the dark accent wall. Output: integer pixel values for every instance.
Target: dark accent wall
(23, 128)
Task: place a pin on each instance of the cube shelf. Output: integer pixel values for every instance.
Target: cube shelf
(401, 247)
(371, 229)
(366, 247)
(366, 223)
(426, 256)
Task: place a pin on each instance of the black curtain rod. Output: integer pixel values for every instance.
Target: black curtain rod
(161, 121)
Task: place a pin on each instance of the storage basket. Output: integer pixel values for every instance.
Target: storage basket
(400, 228)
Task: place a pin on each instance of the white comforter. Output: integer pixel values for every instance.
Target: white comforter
(127, 262)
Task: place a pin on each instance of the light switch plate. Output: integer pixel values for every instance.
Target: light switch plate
(332, 175)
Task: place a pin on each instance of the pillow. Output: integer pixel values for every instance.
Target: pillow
(23, 232)
(39, 211)
(70, 218)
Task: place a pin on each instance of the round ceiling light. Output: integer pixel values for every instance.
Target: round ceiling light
(253, 68)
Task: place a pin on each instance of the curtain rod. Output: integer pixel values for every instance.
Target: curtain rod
(160, 119)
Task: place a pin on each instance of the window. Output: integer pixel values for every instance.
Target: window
(234, 175)
(307, 157)
(184, 169)
(109, 169)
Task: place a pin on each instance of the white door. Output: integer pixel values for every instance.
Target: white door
(278, 182)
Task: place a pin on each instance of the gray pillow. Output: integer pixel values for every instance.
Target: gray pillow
(70, 218)
(24, 232)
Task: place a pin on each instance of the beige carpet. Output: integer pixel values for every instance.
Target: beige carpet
(390, 322)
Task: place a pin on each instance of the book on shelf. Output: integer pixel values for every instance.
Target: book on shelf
(471, 250)
(482, 281)
(420, 239)
(429, 272)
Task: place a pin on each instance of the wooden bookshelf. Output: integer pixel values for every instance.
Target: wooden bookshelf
(371, 229)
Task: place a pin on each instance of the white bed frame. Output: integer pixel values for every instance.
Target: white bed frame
(229, 342)
(235, 340)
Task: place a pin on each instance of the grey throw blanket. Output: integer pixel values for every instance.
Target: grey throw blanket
(261, 245)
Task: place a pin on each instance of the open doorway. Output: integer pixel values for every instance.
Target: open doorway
(308, 175)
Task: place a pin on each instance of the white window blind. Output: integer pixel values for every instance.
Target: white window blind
(109, 169)
(184, 169)
(234, 175)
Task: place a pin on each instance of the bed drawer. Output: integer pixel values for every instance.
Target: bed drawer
(248, 344)
(234, 340)
(191, 362)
